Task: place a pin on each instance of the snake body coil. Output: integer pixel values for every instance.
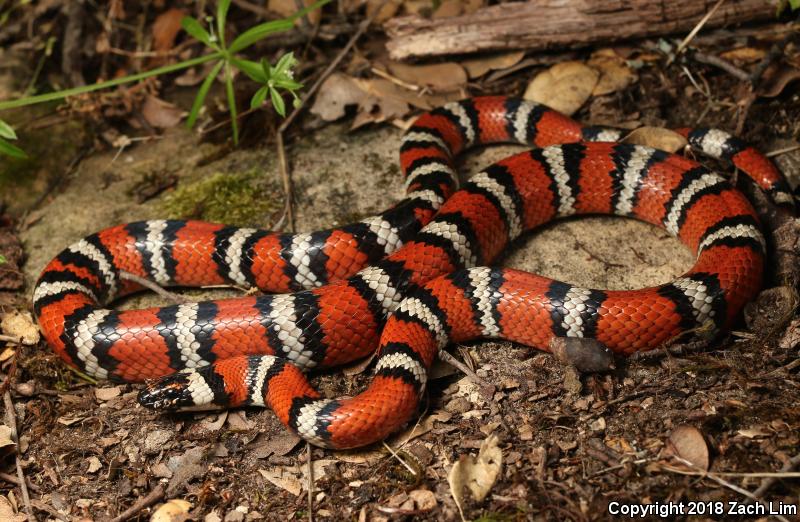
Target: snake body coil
(421, 272)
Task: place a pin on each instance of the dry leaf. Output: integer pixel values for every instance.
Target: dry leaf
(284, 479)
(447, 76)
(384, 89)
(388, 10)
(753, 433)
(448, 8)
(165, 28)
(335, 94)
(106, 394)
(287, 8)
(656, 137)
(292, 480)
(477, 474)
(689, 444)
(479, 66)
(424, 499)
(172, 511)
(94, 465)
(615, 74)
(777, 82)
(21, 326)
(280, 445)
(564, 87)
(7, 513)
(161, 114)
(6, 443)
(744, 55)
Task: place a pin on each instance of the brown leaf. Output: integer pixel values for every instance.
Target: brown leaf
(172, 511)
(744, 55)
(289, 7)
(20, 325)
(448, 8)
(388, 10)
(688, 443)
(615, 75)
(335, 94)
(447, 76)
(564, 87)
(161, 114)
(657, 137)
(477, 474)
(479, 66)
(165, 28)
(777, 81)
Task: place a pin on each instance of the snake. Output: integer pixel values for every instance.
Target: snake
(404, 284)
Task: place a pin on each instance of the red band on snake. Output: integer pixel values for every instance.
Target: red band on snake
(421, 272)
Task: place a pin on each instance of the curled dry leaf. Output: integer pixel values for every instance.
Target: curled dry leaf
(335, 94)
(615, 74)
(7, 512)
(777, 80)
(166, 27)
(564, 87)
(387, 11)
(657, 137)
(744, 55)
(688, 443)
(174, 510)
(289, 7)
(424, 499)
(479, 66)
(21, 326)
(161, 114)
(447, 76)
(477, 474)
(106, 394)
(6, 443)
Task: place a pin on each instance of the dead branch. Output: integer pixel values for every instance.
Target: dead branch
(554, 24)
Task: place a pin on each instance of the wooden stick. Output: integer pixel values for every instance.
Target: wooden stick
(555, 24)
(11, 421)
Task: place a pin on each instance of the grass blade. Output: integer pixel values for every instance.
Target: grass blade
(231, 103)
(201, 94)
(11, 150)
(193, 27)
(8, 133)
(254, 34)
(222, 15)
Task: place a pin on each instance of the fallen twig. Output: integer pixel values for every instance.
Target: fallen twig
(310, 475)
(700, 24)
(455, 363)
(773, 478)
(725, 65)
(716, 477)
(400, 460)
(175, 298)
(143, 503)
(11, 422)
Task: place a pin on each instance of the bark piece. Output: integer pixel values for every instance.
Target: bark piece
(549, 24)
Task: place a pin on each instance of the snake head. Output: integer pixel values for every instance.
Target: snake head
(186, 390)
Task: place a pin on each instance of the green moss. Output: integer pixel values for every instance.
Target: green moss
(235, 199)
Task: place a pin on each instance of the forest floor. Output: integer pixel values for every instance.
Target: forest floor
(571, 444)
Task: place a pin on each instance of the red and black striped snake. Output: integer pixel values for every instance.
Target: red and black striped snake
(411, 280)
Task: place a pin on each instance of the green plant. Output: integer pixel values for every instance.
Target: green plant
(274, 79)
(794, 5)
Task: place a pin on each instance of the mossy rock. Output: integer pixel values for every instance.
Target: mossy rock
(243, 199)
